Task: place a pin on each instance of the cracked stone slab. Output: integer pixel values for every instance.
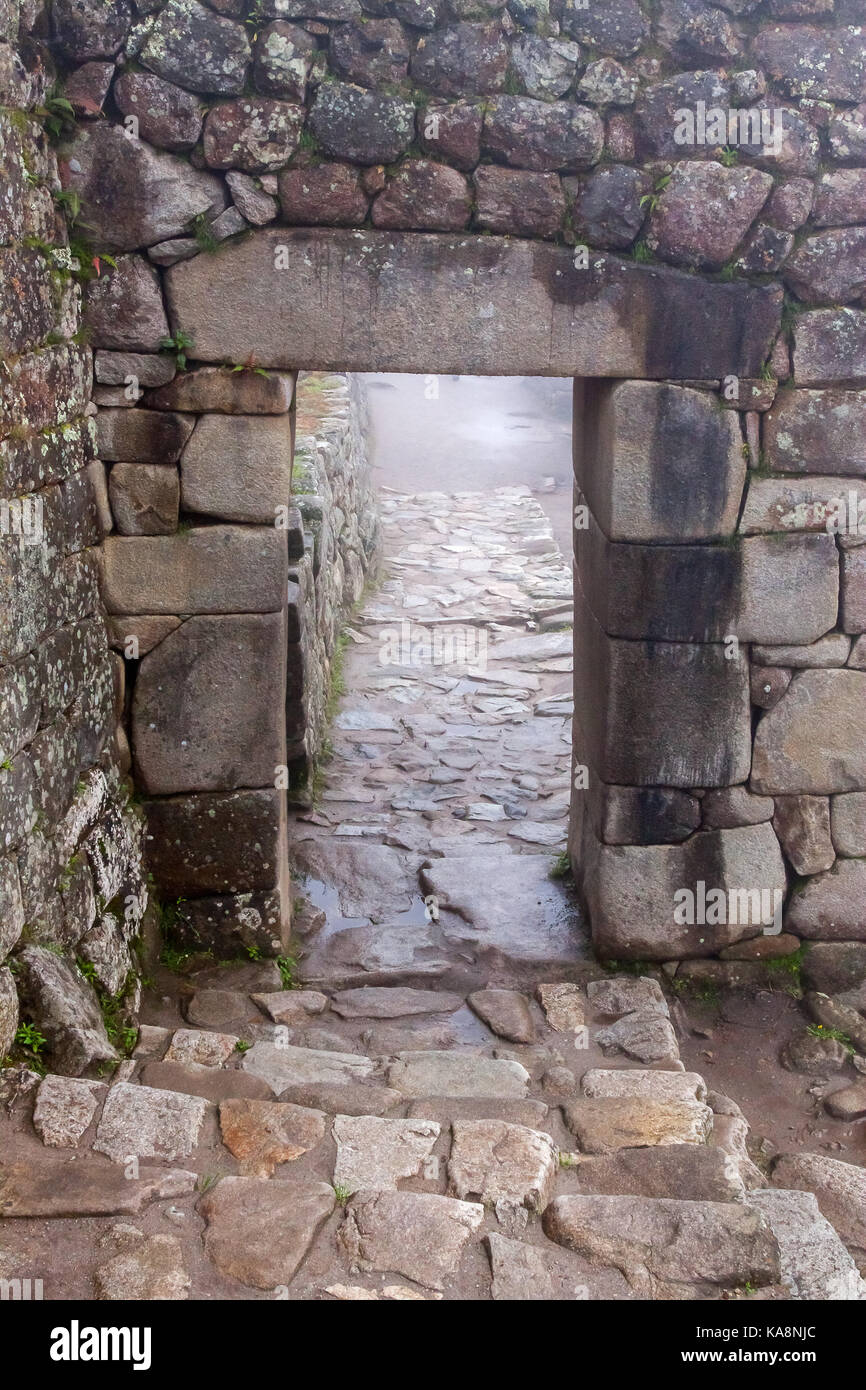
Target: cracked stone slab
(282, 1067)
(840, 1190)
(600, 1084)
(454, 1074)
(375, 1153)
(148, 1123)
(695, 1172)
(661, 1244)
(523, 1272)
(562, 1005)
(492, 1162)
(418, 1234)
(189, 1046)
(291, 1005)
(626, 994)
(264, 1133)
(814, 1262)
(371, 881)
(645, 1035)
(86, 1187)
(627, 1122)
(506, 1013)
(380, 953)
(509, 904)
(372, 1001)
(531, 1113)
(65, 1107)
(259, 1230)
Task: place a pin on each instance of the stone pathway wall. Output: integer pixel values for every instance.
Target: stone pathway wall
(333, 491)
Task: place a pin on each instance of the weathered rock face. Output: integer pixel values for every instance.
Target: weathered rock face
(132, 195)
(185, 691)
(167, 116)
(637, 463)
(124, 309)
(253, 136)
(813, 740)
(365, 127)
(705, 211)
(566, 321)
(197, 49)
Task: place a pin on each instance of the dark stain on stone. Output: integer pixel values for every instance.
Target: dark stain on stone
(692, 592)
(689, 446)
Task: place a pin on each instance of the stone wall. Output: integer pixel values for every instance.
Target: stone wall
(72, 894)
(333, 490)
(719, 708)
(671, 195)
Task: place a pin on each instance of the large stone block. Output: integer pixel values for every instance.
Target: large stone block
(630, 890)
(124, 309)
(216, 843)
(213, 569)
(705, 211)
(802, 504)
(238, 467)
(830, 347)
(541, 135)
(848, 824)
(195, 48)
(658, 462)
(816, 432)
(141, 436)
(363, 127)
(294, 296)
(764, 589)
(207, 709)
(132, 195)
(226, 391)
(831, 906)
(814, 739)
(144, 498)
(673, 714)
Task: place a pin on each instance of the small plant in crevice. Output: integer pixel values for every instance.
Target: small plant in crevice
(30, 1039)
(820, 1030)
(342, 1193)
(177, 343)
(202, 233)
(650, 201)
(242, 1045)
(69, 199)
(561, 866)
(641, 253)
(85, 263)
(57, 115)
(288, 968)
(729, 156)
(249, 365)
(790, 966)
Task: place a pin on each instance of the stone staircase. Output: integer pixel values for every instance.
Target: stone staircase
(305, 1144)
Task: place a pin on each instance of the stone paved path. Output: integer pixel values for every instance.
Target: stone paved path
(458, 1103)
(453, 746)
